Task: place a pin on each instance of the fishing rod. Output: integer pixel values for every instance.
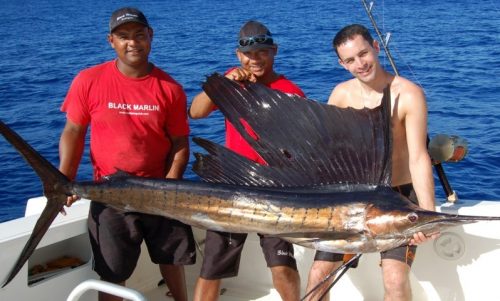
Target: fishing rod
(350, 263)
(451, 195)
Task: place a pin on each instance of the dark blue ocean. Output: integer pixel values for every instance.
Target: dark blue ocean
(450, 48)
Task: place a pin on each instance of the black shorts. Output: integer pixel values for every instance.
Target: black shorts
(404, 254)
(116, 237)
(327, 256)
(223, 253)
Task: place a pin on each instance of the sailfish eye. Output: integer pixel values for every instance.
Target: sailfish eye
(413, 217)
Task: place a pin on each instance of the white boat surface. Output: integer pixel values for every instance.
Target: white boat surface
(462, 264)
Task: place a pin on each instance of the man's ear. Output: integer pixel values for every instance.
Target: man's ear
(376, 46)
(239, 54)
(341, 62)
(150, 30)
(110, 40)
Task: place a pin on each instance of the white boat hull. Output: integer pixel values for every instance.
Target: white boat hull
(460, 265)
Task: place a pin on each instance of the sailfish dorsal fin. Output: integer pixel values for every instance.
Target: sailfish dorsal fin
(304, 142)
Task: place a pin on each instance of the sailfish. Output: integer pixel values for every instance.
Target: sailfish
(325, 184)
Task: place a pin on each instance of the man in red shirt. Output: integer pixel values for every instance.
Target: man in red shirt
(139, 125)
(256, 52)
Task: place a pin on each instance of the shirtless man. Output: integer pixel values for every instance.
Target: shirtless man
(411, 165)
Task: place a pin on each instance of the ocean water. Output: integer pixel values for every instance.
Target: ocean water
(450, 48)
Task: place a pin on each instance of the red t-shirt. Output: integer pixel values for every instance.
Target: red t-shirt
(130, 118)
(237, 143)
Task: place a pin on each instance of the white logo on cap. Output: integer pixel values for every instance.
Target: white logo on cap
(127, 16)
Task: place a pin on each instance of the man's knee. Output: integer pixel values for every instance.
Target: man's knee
(394, 284)
(396, 279)
(207, 290)
(320, 269)
(285, 273)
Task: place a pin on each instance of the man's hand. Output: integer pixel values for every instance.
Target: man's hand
(239, 74)
(69, 201)
(419, 238)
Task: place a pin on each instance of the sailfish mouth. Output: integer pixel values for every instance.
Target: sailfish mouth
(440, 221)
(457, 219)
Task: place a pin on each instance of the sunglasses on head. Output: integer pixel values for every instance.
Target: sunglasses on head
(259, 39)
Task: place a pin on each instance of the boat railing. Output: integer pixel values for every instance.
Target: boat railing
(106, 287)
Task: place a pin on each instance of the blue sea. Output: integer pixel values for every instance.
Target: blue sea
(450, 48)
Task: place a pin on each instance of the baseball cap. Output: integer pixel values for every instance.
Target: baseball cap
(254, 35)
(125, 15)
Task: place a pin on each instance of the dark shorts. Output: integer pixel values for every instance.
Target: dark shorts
(327, 256)
(404, 254)
(223, 253)
(116, 237)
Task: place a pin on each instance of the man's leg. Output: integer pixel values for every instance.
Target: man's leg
(287, 282)
(114, 246)
(279, 255)
(396, 264)
(320, 269)
(396, 280)
(222, 260)
(207, 290)
(175, 279)
(170, 245)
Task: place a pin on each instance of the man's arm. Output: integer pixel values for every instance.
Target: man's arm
(333, 99)
(178, 157)
(202, 105)
(338, 97)
(419, 161)
(71, 145)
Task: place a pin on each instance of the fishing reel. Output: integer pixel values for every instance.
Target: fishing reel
(447, 148)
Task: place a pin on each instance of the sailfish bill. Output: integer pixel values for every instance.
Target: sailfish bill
(326, 184)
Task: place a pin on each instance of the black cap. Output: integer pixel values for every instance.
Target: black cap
(125, 15)
(252, 29)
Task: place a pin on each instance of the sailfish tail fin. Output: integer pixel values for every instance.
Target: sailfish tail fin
(54, 187)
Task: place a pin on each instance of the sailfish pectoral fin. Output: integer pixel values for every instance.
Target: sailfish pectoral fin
(42, 225)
